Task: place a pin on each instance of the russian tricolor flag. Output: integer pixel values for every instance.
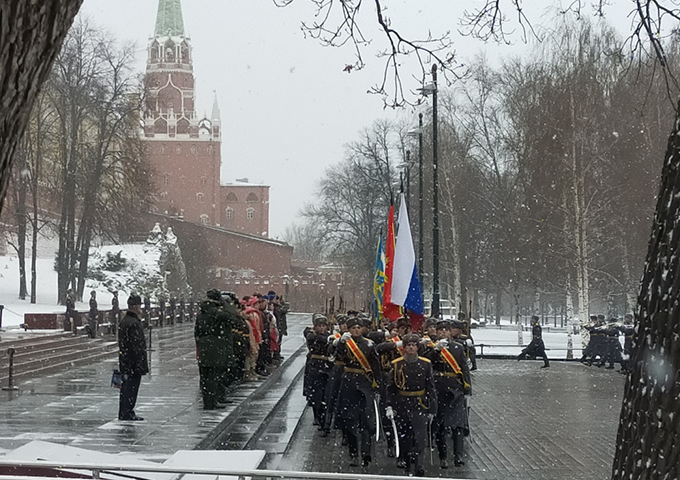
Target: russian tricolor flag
(405, 286)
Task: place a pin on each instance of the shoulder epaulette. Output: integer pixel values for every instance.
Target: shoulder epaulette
(425, 359)
(398, 360)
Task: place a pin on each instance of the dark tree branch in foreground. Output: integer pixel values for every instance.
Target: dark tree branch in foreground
(337, 24)
(31, 34)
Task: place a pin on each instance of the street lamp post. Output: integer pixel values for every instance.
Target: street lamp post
(435, 200)
(426, 90)
(420, 197)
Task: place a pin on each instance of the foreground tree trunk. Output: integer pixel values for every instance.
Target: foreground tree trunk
(31, 34)
(648, 441)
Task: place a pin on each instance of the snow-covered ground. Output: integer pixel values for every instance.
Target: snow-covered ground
(46, 297)
(508, 344)
(13, 313)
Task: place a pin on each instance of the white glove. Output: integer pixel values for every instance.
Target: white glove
(389, 412)
(331, 338)
(399, 344)
(443, 343)
(424, 341)
(469, 343)
(335, 342)
(345, 336)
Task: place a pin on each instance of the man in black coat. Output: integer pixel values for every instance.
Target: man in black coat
(132, 358)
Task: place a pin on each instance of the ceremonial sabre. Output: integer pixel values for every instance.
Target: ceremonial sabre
(429, 438)
(377, 418)
(396, 438)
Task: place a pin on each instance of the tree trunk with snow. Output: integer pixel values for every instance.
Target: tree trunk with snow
(31, 34)
(648, 441)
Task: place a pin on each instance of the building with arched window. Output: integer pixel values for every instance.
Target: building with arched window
(183, 149)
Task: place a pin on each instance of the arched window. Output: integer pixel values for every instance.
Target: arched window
(166, 178)
(251, 198)
(178, 149)
(250, 213)
(183, 180)
(183, 128)
(193, 147)
(229, 214)
(205, 219)
(164, 195)
(231, 197)
(199, 197)
(204, 180)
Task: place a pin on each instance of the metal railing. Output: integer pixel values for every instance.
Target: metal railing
(98, 468)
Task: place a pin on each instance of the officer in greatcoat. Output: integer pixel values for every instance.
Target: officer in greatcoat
(335, 378)
(536, 347)
(318, 368)
(412, 403)
(453, 383)
(358, 397)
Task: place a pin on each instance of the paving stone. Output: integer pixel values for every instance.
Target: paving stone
(78, 407)
(527, 423)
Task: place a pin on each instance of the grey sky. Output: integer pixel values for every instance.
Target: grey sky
(287, 107)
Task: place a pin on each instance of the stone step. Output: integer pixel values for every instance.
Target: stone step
(59, 356)
(43, 350)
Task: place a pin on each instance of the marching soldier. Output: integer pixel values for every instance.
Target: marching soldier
(412, 403)
(612, 346)
(333, 385)
(357, 401)
(628, 330)
(536, 348)
(466, 338)
(452, 380)
(318, 368)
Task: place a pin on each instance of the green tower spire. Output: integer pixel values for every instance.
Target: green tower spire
(169, 19)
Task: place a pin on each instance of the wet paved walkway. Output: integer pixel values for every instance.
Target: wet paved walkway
(527, 423)
(79, 408)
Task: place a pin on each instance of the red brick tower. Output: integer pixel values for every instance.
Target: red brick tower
(183, 150)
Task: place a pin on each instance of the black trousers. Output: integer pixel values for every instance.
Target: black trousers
(128, 396)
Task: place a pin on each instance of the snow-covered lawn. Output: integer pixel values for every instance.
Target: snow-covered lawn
(507, 339)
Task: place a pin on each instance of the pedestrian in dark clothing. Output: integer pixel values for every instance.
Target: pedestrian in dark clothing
(70, 312)
(536, 348)
(93, 314)
(214, 347)
(115, 312)
(132, 359)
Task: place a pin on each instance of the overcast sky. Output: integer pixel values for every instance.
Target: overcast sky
(287, 107)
